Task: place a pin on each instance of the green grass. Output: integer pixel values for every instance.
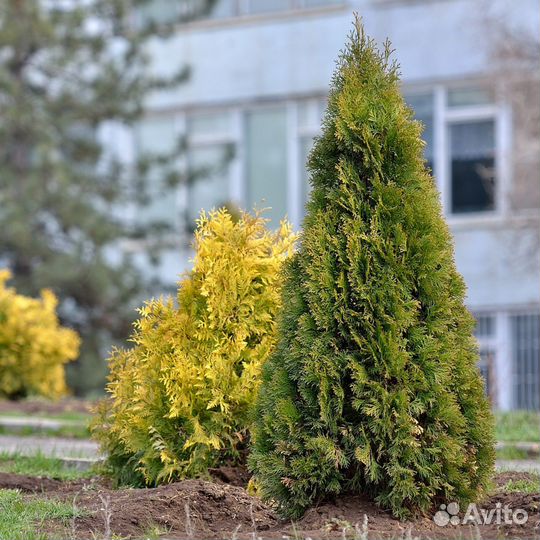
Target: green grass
(21, 518)
(518, 426)
(511, 452)
(80, 431)
(523, 486)
(65, 415)
(72, 432)
(40, 465)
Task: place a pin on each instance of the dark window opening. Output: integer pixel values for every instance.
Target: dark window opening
(472, 151)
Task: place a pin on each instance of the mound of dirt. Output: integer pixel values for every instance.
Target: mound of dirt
(29, 484)
(195, 509)
(345, 517)
(188, 509)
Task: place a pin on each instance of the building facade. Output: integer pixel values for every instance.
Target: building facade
(260, 72)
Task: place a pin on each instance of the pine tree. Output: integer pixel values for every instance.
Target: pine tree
(67, 69)
(373, 387)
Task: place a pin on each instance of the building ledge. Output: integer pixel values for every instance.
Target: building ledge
(254, 19)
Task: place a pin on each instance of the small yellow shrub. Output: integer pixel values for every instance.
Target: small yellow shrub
(181, 397)
(33, 345)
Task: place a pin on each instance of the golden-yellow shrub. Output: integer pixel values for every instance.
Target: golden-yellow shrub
(180, 399)
(33, 345)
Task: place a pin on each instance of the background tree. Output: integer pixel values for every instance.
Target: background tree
(373, 387)
(66, 70)
(514, 54)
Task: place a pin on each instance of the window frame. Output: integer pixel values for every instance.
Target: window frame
(443, 117)
(512, 319)
(206, 140)
(490, 344)
(243, 112)
(464, 115)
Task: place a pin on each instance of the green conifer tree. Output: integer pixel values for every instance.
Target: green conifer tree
(373, 387)
(67, 69)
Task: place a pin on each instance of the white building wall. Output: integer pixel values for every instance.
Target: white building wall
(282, 57)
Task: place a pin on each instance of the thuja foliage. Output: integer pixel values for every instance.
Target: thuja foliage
(373, 387)
(181, 397)
(33, 346)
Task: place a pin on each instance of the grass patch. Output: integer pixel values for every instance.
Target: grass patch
(65, 415)
(40, 465)
(71, 432)
(516, 426)
(511, 452)
(21, 519)
(523, 486)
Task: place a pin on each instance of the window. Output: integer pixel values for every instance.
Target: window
(209, 185)
(234, 8)
(486, 365)
(209, 158)
(485, 326)
(266, 165)
(422, 105)
(306, 144)
(155, 136)
(472, 155)
(467, 97)
(460, 128)
(264, 6)
(485, 334)
(526, 360)
(309, 113)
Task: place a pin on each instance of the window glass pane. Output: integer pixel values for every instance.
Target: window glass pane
(159, 11)
(486, 366)
(210, 186)
(526, 361)
(172, 11)
(161, 208)
(323, 103)
(209, 124)
(319, 3)
(157, 136)
(266, 6)
(224, 8)
(310, 114)
(485, 326)
(472, 151)
(464, 97)
(422, 105)
(267, 161)
(304, 114)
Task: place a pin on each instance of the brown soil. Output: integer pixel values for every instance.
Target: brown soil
(43, 407)
(197, 509)
(29, 484)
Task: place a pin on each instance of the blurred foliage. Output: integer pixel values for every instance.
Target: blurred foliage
(67, 71)
(181, 397)
(33, 346)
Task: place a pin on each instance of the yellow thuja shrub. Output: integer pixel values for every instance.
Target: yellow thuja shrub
(181, 398)
(33, 345)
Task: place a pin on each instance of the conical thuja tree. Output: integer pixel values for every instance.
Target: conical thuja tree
(373, 387)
